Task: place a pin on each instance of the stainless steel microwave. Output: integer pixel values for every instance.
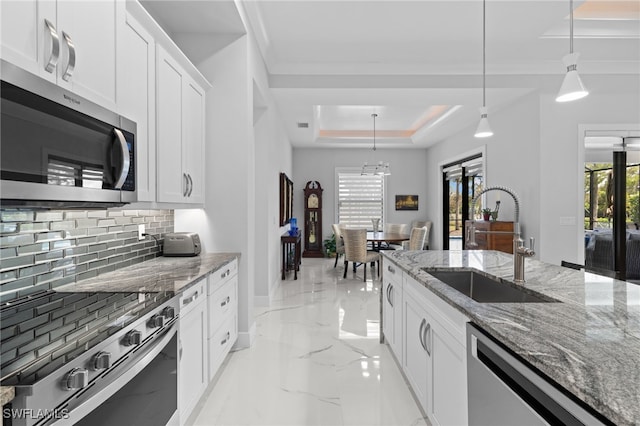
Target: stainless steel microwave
(60, 150)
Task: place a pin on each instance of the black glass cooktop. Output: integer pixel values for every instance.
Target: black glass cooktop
(41, 333)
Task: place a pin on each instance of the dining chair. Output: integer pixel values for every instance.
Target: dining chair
(419, 224)
(355, 250)
(339, 242)
(417, 237)
(395, 228)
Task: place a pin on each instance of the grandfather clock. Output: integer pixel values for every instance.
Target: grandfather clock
(313, 220)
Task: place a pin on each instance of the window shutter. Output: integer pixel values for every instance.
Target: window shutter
(360, 199)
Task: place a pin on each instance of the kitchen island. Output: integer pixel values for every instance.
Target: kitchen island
(589, 343)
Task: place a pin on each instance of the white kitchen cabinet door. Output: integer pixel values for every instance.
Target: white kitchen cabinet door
(192, 364)
(193, 140)
(83, 35)
(136, 101)
(172, 182)
(449, 366)
(416, 361)
(392, 308)
(180, 133)
(91, 28)
(387, 314)
(27, 40)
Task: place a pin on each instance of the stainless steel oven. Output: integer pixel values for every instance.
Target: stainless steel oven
(60, 150)
(116, 363)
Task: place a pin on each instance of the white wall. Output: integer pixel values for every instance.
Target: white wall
(511, 159)
(409, 172)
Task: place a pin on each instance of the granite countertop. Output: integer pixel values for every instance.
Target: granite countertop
(7, 393)
(589, 343)
(157, 275)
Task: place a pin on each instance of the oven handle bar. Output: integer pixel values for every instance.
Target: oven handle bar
(94, 397)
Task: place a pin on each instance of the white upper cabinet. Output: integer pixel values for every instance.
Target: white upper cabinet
(136, 100)
(180, 133)
(71, 43)
(24, 42)
(193, 140)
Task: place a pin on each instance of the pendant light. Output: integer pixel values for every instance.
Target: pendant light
(380, 169)
(484, 130)
(572, 87)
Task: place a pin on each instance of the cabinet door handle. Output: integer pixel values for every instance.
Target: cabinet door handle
(190, 299)
(190, 185)
(226, 339)
(390, 269)
(421, 334)
(55, 47)
(186, 185)
(427, 338)
(71, 63)
(227, 300)
(180, 349)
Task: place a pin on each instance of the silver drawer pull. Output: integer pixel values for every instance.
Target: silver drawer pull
(71, 63)
(225, 274)
(226, 338)
(190, 299)
(227, 300)
(390, 269)
(55, 47)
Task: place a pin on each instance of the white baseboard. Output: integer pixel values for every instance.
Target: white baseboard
(246, 338)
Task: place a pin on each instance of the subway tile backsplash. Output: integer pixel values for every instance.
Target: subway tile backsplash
(42, 250)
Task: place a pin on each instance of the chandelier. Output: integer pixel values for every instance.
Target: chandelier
(380, 168)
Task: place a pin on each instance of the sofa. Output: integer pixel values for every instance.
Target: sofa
(599, 252)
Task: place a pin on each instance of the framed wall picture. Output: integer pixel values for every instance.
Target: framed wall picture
(406, 202)
(286, 199)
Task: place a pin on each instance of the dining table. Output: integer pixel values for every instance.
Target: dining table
(377, 238)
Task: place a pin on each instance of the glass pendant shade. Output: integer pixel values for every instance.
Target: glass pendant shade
(483, 130)
(572, 87)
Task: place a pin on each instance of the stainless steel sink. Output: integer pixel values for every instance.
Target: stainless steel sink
(485, 289)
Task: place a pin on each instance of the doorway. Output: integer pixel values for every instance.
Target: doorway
(461, 180)
(612, 206)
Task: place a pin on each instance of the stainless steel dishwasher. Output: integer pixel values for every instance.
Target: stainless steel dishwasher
(503, 390)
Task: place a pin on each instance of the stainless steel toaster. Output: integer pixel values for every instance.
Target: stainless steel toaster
(182, 244)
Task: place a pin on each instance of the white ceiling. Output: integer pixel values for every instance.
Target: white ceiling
(416, 63)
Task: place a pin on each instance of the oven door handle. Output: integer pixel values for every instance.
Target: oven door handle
(93, 398)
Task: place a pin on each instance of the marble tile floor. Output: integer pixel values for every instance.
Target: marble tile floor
(316, 360)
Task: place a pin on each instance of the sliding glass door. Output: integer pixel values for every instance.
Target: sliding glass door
(612, 206)
(461, 181)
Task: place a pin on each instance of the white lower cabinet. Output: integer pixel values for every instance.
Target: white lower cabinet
(192, 351)
(392, 308)
(434, 354)
(223, 314)
(417, 358)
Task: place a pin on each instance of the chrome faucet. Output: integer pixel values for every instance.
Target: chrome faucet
(519, 249)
